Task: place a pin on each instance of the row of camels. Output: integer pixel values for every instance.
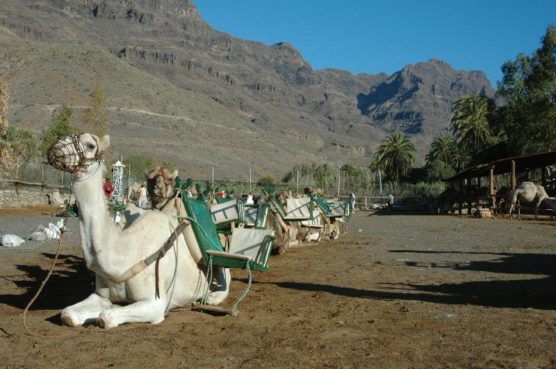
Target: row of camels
(289, 233)
(128, 288)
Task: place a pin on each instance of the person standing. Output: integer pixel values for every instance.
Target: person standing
(142, 197)
(352, 201)
(390, 201)
(107, 187)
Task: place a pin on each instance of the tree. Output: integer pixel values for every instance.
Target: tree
(470, 123)
(355, 178)
(16, 145)
(266, 181)
(95, 116)
(60, 126)
(397, 155)
(527, 119)
(376, 166)
(4, 98)
(323, 176)
(438, 170)
(443, 148)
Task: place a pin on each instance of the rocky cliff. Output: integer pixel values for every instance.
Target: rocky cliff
(171, 78)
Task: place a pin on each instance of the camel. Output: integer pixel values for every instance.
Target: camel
(132, 192)
(528, 191)
(162, 198)
(123, 260)
(160, 185)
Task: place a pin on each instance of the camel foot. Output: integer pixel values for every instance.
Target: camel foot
(69, 319)
(105, 322)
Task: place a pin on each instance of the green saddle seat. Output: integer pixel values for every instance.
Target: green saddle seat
(210, 246)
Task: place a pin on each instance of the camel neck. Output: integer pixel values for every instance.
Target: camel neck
(95, 223)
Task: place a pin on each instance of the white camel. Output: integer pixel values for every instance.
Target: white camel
(128, 263)
(528, 191)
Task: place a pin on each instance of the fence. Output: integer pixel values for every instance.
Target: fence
(44, 176)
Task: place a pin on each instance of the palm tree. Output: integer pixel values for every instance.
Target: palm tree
(469, 121)
(461, 159)
(397, 155)
(376, 166)
(443, 148)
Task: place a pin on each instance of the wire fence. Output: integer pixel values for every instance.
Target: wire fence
(367, 192)
(43, 174)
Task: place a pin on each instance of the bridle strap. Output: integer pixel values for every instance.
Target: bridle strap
(84, 161)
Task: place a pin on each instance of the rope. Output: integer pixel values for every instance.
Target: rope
(25, 311)
(245, 292)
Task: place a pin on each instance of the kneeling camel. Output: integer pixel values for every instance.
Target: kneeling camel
(135, 280)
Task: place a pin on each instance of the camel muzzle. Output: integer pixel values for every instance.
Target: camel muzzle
(67, 155)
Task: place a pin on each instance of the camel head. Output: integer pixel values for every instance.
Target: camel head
(160, 185)
(74, 154)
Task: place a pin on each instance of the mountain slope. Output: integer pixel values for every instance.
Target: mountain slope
(186, 93)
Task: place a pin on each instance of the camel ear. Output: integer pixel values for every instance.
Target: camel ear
(175, 173)
(104, 143)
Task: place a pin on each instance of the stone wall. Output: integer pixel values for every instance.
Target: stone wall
(13, 195)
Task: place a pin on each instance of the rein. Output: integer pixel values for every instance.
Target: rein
(155, 256)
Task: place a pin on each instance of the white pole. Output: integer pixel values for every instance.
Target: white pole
(339, 181)
(380, 182)
(212, 179)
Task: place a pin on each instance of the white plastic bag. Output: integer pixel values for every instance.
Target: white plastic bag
(11, 240)
(52, 232)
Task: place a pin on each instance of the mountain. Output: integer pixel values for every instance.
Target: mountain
(183, 92)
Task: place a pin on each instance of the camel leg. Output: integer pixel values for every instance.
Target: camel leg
(86, 311)
(537, 206)
(220, 293)
(144, 311)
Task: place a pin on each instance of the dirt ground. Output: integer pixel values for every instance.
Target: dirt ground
(398, 291)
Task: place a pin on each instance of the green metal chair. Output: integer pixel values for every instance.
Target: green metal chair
(214, 254)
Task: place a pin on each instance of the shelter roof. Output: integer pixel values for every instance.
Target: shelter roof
(522, 164)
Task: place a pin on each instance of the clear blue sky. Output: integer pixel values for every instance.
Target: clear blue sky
(373, 36)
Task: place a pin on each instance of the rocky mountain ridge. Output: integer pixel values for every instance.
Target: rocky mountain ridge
(160, 56)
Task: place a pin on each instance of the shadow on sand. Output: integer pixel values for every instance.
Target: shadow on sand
(539, 293)
(70, 283)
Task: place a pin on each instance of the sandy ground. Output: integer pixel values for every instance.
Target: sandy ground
(398, 291)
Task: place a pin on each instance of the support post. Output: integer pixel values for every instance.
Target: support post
(513, 180)
(492, 191)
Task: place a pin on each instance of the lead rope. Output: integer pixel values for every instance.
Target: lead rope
(43, 283)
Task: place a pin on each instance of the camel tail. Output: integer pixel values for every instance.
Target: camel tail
(542, 192)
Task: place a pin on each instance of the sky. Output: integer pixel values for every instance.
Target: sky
(375, 36)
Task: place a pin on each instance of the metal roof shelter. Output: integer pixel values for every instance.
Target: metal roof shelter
(508, 165)
(511, 165)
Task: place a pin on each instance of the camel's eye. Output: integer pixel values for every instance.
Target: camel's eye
(90, 146)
